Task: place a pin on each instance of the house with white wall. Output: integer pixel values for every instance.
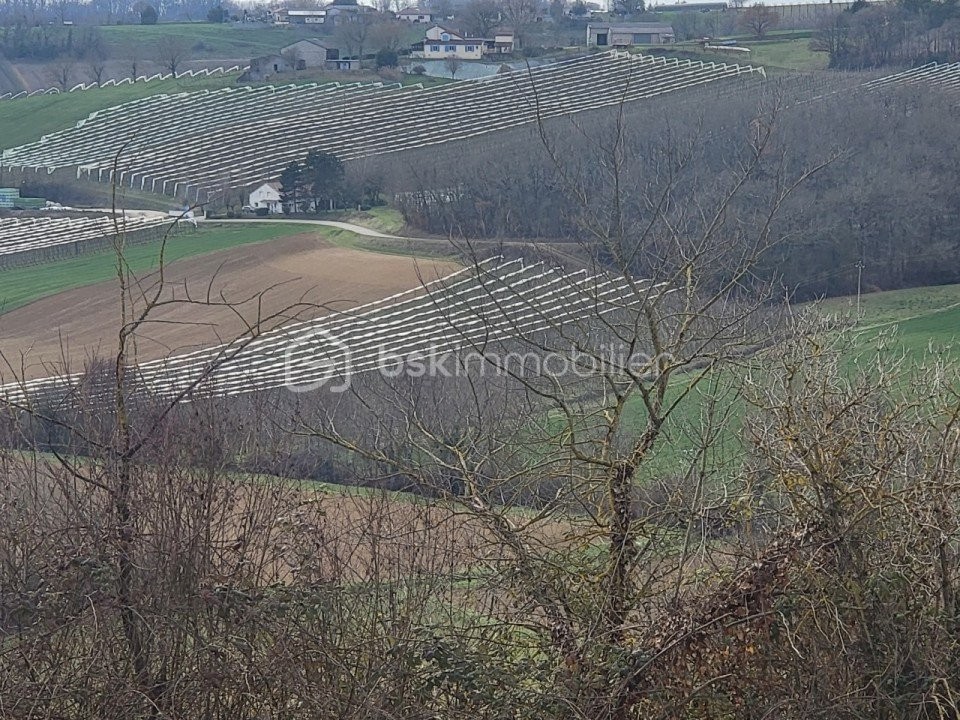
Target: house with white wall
(415, 14)
(314, 16)
(267, 196)
(441, 42)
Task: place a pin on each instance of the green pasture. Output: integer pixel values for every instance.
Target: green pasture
(234, 41)
(920, 323)
(28, 119)
(793, 54)
(777, 54)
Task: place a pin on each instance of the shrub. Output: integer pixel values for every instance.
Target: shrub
(217, 14)
(386, 58)
(148, 15)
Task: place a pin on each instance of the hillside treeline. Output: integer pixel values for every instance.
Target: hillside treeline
(885, 211)
(909, 32)
(43, 42)
(39, 13)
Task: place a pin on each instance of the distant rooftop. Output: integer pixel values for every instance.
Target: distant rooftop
(641, 27)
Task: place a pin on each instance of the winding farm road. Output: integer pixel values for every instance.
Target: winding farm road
(358, 229)
(496, 245)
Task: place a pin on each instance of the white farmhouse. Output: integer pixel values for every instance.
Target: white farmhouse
(267, 196)
(442, 42)
(415, 14)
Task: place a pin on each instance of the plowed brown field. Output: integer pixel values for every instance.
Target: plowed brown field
(299, 276)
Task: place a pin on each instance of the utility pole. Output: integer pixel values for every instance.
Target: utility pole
(859, 286)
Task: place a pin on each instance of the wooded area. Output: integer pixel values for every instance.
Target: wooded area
(887, 206)
(759, 519)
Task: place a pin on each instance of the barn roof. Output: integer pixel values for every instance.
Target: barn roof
(635, 27)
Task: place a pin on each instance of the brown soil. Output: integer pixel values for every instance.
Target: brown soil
(279, 531)
(301, 276)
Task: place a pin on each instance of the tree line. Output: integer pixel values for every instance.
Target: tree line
(48, 43)
(320, 183)
(907, 32)
(35, 13)
(887, 213)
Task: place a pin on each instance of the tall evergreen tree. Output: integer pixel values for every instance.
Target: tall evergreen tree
(324, 174)
(292, 187)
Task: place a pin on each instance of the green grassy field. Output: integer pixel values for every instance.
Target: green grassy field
(923, 320)
(897, 305)
(383, 219)
(787, 54)
(226, 40)
(28, 119)
(784, 54)
(20, 286)
(50, 113)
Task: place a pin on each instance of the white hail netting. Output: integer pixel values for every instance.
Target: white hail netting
(19, 235)
(209, 140)
(479, 307)
(944, 76)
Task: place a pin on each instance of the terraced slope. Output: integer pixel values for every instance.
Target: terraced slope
(489, 304)
(193, 145)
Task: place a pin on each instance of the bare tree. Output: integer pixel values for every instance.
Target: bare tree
(61, 9)
(453, 65)
(480, 17)
(291, 57)
(62, 73)
(354, 34)
(832, 35)
(172, 53)
(97, 63)
(519, 14)
(692, 316)
(388, 34)
(759, 19)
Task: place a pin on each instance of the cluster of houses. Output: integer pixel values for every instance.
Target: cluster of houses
(441, 41)
(329, 15)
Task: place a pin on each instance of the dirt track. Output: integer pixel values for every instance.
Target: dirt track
(302, 272)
